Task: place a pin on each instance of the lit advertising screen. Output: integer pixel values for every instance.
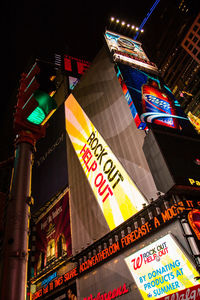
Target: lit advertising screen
(117, 195)
(150, 100)
(128, 51)
(75, 65)
(162, 269)
(53, 233)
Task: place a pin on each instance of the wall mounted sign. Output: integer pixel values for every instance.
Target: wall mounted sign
(162, 268)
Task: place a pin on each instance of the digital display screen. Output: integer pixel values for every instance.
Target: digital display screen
(161, 269)
(117, 195)
(150, 100)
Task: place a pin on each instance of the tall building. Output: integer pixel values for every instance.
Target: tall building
(133, 194)
(181, 71)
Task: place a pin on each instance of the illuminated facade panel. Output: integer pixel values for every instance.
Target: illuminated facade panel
(161, 269)
(117, 195)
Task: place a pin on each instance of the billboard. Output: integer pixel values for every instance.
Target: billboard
(117, 195)
(162, 269)
(128, 51)
(150, 100)
(50, 174)
(173, 160)
(75, 65)
(53, 235)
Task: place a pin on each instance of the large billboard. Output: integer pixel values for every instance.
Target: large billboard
(117, 195)
(150, 100)
(162, 269)
(53, 233)
(128, 51)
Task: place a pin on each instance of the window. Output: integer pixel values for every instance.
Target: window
(190, 36)
(61, 246)
(194, 51)
(195, 28)
(195, 39)
(50, 250)
(190, 47)
(40, 264)
(186, 43)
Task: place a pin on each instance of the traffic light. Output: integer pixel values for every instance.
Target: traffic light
(38, 94)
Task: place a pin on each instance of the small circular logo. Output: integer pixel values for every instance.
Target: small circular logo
(126, 43)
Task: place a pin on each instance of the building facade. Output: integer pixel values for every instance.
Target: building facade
(133, 214)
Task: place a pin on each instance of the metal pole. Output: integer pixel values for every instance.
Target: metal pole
(15, 250)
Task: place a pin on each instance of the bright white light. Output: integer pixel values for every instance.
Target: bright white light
(112, 19)
(128, 25)
(132, 27)
(136, 28)
(123, 23)
(142, 30)
(117, 21)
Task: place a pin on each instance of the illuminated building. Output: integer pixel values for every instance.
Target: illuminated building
(182, 69)
(120, 160)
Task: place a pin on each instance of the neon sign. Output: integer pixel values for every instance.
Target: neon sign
(46, 281)
(128, 51)
(194, 221)
(119, 291)
(151, 254)
(75, 65)
(162, 268)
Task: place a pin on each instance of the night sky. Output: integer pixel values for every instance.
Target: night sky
(31, 29)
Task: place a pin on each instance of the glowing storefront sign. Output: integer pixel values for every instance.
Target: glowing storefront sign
(128, 50)
(161, 269)
(117, 195)
(112, 294)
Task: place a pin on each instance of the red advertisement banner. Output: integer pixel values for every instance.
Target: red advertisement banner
(192, 293)
(53, 233)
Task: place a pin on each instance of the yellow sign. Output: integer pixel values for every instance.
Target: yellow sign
(117, 195)
(161, 269)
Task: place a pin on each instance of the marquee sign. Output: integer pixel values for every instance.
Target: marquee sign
(128, 51)
(118, 196)
(161, 269)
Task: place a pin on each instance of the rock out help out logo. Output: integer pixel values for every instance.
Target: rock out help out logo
(149, 256)
(161, 268)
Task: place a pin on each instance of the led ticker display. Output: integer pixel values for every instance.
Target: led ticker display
(117, 195)
(151, 99)
(161, 269)
(128, 51)
(75, 65)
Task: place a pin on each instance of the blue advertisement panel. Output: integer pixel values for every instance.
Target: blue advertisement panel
(150, 100)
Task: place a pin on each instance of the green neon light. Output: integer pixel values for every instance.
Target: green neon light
(46, 105)
(37, 116)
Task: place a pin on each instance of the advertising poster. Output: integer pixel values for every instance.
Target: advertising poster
(117, 195)
(53, 233)
(162, 269)
(151, 100)
(128, 50)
